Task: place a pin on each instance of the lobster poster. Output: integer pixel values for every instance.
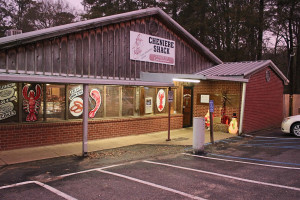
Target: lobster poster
(7, 97)
(32, 101)
(161, 100)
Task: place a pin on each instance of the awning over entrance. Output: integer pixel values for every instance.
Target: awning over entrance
(168, 78)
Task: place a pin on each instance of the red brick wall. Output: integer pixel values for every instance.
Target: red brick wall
(264, 102)
(217, 87)
(40, 134)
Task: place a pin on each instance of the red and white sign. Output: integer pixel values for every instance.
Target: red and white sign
(95, 94)
(161, 100)
(150, 48)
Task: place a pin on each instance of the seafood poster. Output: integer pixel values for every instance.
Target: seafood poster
(161, 100)
(7, 97)
(76, 102)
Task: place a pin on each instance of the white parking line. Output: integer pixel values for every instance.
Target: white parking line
(55, 191)
(277, 138)
(90, 170)
(250, 163)
(223, 175)
(152, 184)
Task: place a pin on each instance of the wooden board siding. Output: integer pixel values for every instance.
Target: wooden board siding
(102, 52)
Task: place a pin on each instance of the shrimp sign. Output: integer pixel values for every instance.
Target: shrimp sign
(161, 100)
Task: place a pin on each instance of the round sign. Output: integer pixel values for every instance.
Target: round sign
(161, 100)
(76, 106)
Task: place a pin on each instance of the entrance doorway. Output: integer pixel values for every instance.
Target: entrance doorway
(187, 106)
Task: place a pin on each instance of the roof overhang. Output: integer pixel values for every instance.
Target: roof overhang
(79, 80)
(168, 78)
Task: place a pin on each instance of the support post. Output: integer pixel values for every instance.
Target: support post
(198, 135)
(242, 108)
(211, 120)
(211, 128)
(169, 122)
(85, 119)
(170, 99)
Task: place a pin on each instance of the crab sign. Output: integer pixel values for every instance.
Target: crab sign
(31, 102)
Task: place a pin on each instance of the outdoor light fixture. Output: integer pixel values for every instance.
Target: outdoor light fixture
(186, 80)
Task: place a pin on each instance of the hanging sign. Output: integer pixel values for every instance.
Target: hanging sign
(150, 48)
(211, 106)
(161, 100)
(170, 96)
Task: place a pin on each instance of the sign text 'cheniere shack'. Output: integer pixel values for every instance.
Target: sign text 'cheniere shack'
(149, 48)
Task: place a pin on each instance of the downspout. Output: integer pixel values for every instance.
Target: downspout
(85, 119)
(242, 108)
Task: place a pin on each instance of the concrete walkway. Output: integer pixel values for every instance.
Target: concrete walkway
(182, 136)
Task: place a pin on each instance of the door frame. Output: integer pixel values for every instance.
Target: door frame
(192, 102)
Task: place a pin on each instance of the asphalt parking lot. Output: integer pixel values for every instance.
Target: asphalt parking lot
(259, 167)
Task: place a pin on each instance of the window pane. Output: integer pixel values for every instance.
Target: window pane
(32, 96)
(96, 101)
(75, 99)
(112, 101)
(8, 102)
(130, 101)
(55, 102)
(150, 96)
(175, 108)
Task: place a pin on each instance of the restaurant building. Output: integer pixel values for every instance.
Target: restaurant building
(111, 76)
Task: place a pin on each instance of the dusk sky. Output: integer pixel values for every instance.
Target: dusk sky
(76, 4)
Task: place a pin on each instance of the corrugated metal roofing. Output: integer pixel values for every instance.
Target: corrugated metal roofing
(241, 69)
(24, 38)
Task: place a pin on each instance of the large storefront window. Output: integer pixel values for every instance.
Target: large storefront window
(55, 102)
(9, 102)
(31, 102)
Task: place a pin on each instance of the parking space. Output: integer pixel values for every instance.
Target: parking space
(274, 142)
(184, 176)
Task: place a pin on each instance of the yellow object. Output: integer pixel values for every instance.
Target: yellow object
(233, 126)
(207, 119)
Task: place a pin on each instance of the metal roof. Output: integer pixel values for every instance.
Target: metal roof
(25, 38)
(241, 69)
